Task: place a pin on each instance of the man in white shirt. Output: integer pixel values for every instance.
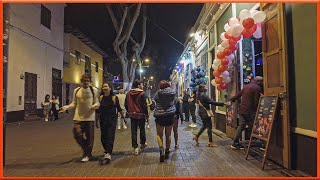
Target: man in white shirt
(122, 98)
(85, 101)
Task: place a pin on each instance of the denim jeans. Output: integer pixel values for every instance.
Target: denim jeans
(243, 121)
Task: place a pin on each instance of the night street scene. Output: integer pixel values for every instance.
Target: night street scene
(160, 90)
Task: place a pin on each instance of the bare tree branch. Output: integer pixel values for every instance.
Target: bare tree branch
(113, 18)
(122, 25)
(144, 29)
(132, 23)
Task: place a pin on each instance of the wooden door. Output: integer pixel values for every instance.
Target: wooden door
(30, 94)
(275, 79)
(57, 84)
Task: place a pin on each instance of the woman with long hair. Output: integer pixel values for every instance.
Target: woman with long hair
(109, 109)
(46, 107)
(55, 107)
(164, 116)
(204, 105)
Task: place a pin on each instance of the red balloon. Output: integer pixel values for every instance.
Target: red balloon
(229, 21)
(219, 88)
(220, 55)
(216, 73)
(232, 42)
(218, 80)
(248, 23)
(222, 68)
(246, 33)
(236, 39)
(253, 29)
(223, 85)
(227, 52)
(225, 61)
(227, 36)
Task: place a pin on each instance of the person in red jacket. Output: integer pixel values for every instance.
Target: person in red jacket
(136, 106)
(250, 95)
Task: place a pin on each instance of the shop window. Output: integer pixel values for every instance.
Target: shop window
(45, 17)
(78, 57)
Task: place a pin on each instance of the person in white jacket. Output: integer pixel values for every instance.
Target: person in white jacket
(85, 101)
(122, 98)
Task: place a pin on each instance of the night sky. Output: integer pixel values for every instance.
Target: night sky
(163, 51)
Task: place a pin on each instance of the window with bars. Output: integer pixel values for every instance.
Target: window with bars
(45, 17)
(78, 57)
(87, 65)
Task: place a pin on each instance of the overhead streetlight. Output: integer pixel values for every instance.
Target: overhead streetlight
(141, 70)
(146, 60)
(151, 77)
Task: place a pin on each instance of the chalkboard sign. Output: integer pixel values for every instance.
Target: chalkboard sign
(263, 122)
(264, 117)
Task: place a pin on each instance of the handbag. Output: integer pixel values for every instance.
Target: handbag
(209, 112)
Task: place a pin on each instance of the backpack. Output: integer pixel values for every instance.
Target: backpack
(134, 108)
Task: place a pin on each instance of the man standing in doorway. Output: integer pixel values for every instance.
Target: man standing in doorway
(249, 103)
(137, 109)
(85, 101)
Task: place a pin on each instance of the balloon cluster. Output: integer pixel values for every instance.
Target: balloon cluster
(198, 77)
(248, 24)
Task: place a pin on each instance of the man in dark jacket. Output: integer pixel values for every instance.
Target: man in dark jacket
(249, 103)
(136, 106)
(186, 106)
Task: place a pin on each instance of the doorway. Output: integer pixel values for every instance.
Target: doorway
(30, 95)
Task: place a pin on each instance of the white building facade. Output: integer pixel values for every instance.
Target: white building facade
(35, 57)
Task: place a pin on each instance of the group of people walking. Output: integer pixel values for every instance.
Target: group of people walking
(50, 108)
(136, 105)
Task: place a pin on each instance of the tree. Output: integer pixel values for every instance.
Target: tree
(124, 30)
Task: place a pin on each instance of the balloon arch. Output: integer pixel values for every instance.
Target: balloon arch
(248, 24)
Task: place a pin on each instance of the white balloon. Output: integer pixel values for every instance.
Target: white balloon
(253, 12)
(259, 17)
(244, 14)
(224, 75)
(222, 36)
(237, 30)
(225, 44)
(220, 48)
(226, 27)
(227, 80)
(213, 83)
(229, 32)
(258, 33)
(214, 66)
(233, 22)
(216, 62)
(230, 57)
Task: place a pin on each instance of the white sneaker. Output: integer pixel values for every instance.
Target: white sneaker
(119, 127)
(85, 159)
(46, 120)
(107, 156)
(143, 146)
(148, 126)
(193, 125)
(136, 151)
(125, 127)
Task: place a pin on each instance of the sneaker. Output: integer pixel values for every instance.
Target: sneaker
(237, 146)
(167, 153)
(46, 120)
(119, 127)
(136, 151)
(125, 127)
(143, 146)
(85, 159)
(193, 125)
(176, 146)
(148, 126)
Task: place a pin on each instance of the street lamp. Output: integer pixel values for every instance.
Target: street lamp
(151, 77)
(140, 66)
(146, 60)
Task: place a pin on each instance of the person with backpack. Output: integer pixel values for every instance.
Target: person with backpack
(164, 114)
(85, 101)
(109, 110)
(121, 119)
(136, 106)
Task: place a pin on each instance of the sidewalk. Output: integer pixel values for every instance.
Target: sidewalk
(48, 149)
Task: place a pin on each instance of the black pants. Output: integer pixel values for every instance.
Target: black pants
(108, 125)
(55, 113)
(193, 114)
(186, 111)
(206, 124)
(135, 123)
(81, 129)
(243, 121)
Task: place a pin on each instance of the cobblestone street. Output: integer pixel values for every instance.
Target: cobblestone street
(48, 149)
